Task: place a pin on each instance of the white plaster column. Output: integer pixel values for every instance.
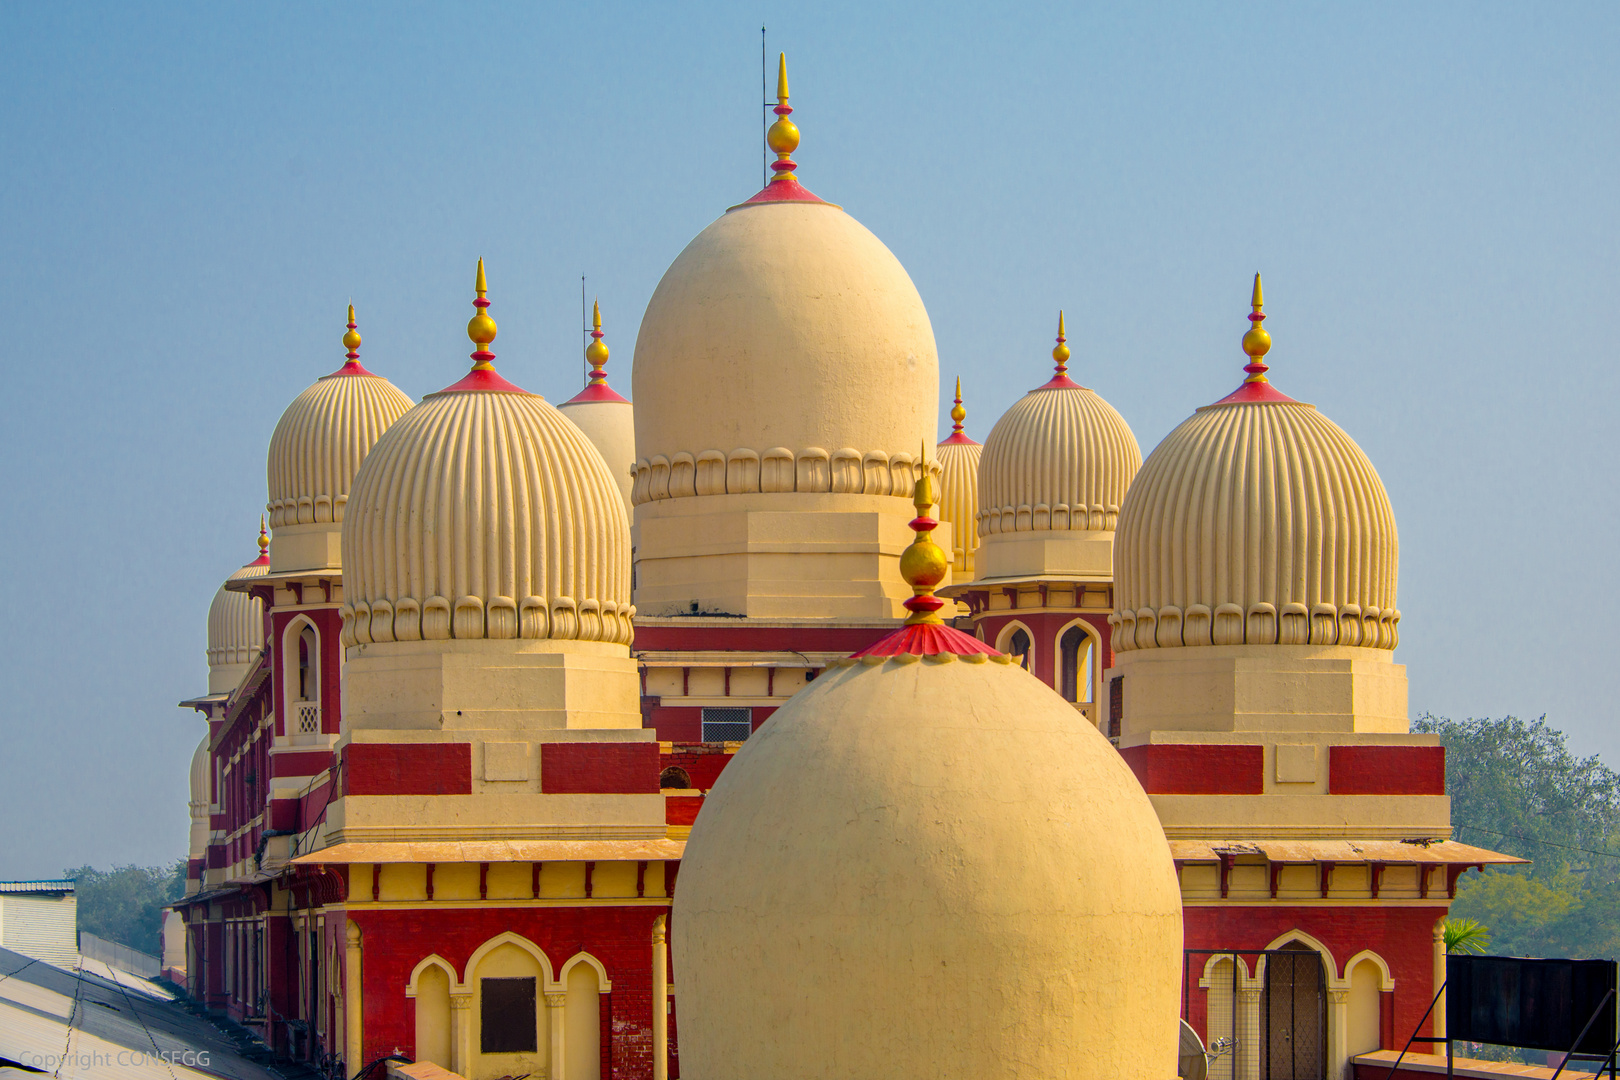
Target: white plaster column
(1439, 1015)
(1246, 1028)
(461, 1033)
(660, 1000)
(1338, 1034)
(555, 1003)
(352, 1046)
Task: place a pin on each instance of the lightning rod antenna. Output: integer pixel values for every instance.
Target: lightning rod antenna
(765, 91)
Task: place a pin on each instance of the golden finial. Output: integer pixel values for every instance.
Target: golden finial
(596, 352)
(958, 414)
(923, 563)
(1257, 342)
(481, 328)
(264, 537)
(351, 339)
(1061, 354)
(783, 137)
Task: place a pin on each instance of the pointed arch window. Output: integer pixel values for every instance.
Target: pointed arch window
(1077, 655)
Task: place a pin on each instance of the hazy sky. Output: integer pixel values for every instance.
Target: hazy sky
(190, 195)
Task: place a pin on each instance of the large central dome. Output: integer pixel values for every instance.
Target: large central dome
(784, 324)
(786, 359)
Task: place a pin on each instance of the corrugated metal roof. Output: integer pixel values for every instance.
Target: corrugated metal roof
(1341, 851)
(36, 886)
(474, 851)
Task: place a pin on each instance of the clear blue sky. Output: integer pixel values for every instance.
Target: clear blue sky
(190, 195)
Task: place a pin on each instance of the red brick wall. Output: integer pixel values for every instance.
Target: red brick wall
(1198, 768)
(1387, 770)
(407, 769)
(594, 768)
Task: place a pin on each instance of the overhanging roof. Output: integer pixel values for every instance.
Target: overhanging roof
(494, 851)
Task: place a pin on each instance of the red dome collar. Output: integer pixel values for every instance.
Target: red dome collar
(927, 639)
(482, 378)
(597, 391)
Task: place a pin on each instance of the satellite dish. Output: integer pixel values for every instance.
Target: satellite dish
(1191, 1061)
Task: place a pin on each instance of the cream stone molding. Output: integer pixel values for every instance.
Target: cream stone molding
(435, 960)
(509, 938)
(1386, 981)
(1256, 523)
(1334, 980)
(778, 469)
(604, 984)
(486, 515)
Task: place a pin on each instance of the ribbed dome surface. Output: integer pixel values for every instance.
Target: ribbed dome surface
(785, 349)
(1256, 522)
(199, 781)
(236, 621)
(320, 441)
(959, 501)
(962, 876)
(1060, 458)
(485, 514)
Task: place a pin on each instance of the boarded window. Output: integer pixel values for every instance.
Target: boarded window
(1116, 705)
(507, 1024)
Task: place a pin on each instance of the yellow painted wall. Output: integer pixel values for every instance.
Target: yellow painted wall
(1363, 1034)
(433, 1017)
(582, 1025)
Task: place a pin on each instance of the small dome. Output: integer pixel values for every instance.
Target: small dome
(1060, 459)
(959, 492)
(322, 438)
(963, 875)
(485, 513)
(1257, 521)
(200, 770)
(999, 902)
(236, 627)
(787, 346)
(606, 418)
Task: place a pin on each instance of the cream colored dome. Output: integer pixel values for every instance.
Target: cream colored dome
(485, 513)
(785, 349)
(959, 492)
(235, 631)
(200, 776)
(1061, 458)
(606, 418)
(315, 451)
(1257, 521)
(960, 875)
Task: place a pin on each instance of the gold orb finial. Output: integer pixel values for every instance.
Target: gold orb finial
(1257, 343)
(351, 339)
(264, 536)
(597, 352)
(783, 137)
(958, 414)
(481, 328)
(1061, 353)
(924, 563)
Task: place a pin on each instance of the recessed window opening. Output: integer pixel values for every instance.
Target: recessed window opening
(727, 725)
(1018, 648)
(1075, 648)
(507, 1020)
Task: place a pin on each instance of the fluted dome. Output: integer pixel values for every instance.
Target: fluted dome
(315, 451)
(785, 349)
(959, 492)
(963, 877)
(1257, 521)
(606, 418)
(484, 513)
(1052, 477)
(200, 776)
(235, 630)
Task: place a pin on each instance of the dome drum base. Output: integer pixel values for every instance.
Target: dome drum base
(1082, 554)
(1260, 688)
(315, 546)
(498, 689)
(788, 555)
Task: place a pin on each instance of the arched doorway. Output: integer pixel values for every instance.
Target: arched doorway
(1018, 648)
(1293, 1015)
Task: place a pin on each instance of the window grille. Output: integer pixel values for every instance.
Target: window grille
(309, 718)
(1116, 705)
(727, 725)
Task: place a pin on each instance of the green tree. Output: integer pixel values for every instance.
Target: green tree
(1466, 936)
(125, 904)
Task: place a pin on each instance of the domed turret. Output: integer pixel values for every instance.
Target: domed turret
(198, 804)
(959, 492)
(1257, 557)
(606, 418)
(1258, 521)
(236, 626)
(484, 513)
(962, 876)
(315, 451)
(787, 363)
(1052, 477)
